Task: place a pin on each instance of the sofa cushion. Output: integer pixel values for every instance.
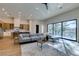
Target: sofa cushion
(24, 35)
(30, 37)
(26, 38)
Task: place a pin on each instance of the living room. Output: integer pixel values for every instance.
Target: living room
(31, 29)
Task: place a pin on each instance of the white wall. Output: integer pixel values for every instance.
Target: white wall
(17, 22)
(74, 14)
(7, 20)
(33, 24)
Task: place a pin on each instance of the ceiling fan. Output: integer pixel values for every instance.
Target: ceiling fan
(46, 5)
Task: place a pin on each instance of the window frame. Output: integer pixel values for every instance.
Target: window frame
(62, 28)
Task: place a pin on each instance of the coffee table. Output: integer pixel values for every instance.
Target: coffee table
(41, 42)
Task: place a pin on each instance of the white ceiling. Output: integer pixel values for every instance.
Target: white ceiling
(35, 11)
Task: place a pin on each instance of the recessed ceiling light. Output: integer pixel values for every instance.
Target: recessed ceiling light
(31, 15)
(5, 12)
(8, 15)
(60, 6)
(37, 8)
(19, 12)
(3, 9)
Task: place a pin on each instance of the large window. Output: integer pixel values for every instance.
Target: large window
(57, 30)
(69, 30)
(50, 29)
(64, 29)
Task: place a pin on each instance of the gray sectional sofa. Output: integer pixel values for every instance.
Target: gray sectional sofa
(26, 37)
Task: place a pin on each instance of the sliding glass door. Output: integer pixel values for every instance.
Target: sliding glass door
(65, 29)
(69, 30)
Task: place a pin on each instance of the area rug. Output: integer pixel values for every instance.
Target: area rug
(31, 49)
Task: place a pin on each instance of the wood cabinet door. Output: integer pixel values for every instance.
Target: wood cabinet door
(11, 26)
(0, 25)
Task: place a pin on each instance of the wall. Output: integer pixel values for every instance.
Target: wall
(18, 21)
(74, 14)
(33, 24)
(7, 20)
